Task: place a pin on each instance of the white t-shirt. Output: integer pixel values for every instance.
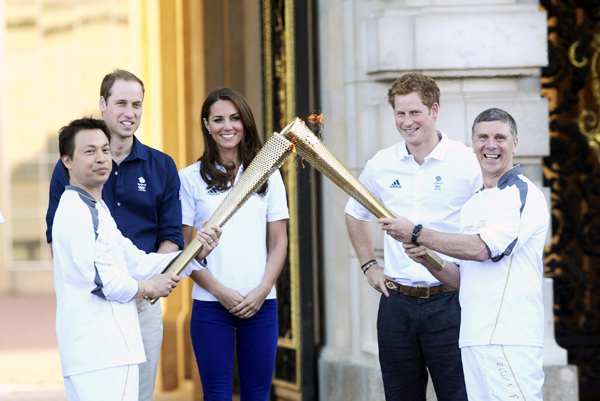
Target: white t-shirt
(95, 272)
(240, 260)
(431, 194)
(501, 298)
(1, 218)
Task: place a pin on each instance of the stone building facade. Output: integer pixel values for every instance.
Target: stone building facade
(482, 54)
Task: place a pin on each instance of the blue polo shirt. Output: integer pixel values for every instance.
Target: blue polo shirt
(142, 195)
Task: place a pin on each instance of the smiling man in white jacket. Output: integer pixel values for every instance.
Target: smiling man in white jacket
(98, 275)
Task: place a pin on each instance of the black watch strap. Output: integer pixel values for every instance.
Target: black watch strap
(415, 234)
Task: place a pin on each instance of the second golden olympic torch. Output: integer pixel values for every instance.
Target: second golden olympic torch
(310, 147)
(268, 160)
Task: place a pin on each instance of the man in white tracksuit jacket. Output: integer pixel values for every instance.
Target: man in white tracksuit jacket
(98, 274)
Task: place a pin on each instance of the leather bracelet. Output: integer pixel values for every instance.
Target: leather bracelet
(415, 234)
(368, 265)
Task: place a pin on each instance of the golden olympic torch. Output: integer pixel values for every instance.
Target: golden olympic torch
(310, 147)
(272, 155)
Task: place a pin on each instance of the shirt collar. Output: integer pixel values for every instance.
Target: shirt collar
(81, 192)
(509, 176)
(239, 173)
(138, 151)
(439, 152)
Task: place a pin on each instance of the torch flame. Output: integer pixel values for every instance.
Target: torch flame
(316, 119)
(293, 147)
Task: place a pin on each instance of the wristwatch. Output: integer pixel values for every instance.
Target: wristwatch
(415, 234)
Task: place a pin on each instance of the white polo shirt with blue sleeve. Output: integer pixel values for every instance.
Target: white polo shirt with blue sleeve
(501, 298)
(95, 273)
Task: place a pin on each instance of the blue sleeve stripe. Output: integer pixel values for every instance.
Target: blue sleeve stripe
(99, 285)
(94, 212)
(523, 189)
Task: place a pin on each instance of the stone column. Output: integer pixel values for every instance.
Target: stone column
(482, 53)
(561, 379)
(5, 276)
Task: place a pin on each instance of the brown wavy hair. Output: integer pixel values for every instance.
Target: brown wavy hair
(415, 82)
(248, 147)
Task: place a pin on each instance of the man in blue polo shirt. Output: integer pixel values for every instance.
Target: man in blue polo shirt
(142, 194)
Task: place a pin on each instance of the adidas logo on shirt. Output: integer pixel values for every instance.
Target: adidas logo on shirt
(212, 192)
(396, 184)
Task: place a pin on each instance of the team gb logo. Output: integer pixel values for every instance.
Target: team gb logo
(141, 184)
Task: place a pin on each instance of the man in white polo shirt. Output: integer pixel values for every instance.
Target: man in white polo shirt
(500, 272)
(98, 275)
(427, 177)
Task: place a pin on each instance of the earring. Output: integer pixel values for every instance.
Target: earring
(209, 133)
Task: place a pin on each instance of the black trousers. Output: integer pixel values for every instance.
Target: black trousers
(415, 335)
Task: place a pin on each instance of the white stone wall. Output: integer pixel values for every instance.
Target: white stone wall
(483, 54)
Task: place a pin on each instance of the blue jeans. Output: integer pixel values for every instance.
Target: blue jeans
(415, 335)
(215, 332)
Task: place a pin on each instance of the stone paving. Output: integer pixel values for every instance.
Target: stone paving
(29, 360)
(28, 393)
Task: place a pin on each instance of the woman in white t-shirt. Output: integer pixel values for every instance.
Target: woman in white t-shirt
(235, 302)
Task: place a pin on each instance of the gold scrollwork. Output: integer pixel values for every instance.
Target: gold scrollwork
(573, 57)
(279, 62)
(588, 118)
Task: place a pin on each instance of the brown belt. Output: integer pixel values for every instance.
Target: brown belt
(419, 291)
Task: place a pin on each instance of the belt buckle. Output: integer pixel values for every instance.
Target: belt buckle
(391, 285)
(428, 292)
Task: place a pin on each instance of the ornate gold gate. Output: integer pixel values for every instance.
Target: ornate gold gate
(572, 84)
(288, 86)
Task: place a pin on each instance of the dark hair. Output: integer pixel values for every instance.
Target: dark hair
(415, 82)
(248, 147)
(66, 135)
(110, 79)
(495, 114)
